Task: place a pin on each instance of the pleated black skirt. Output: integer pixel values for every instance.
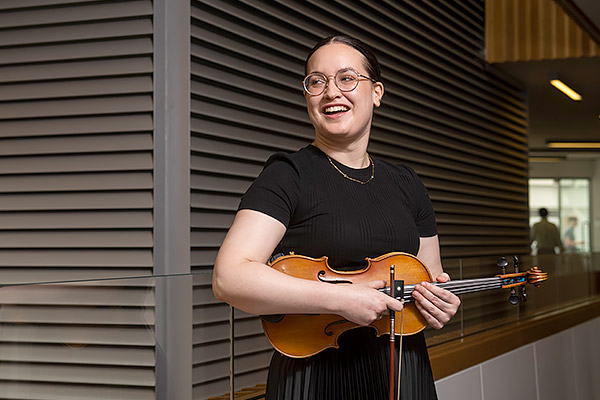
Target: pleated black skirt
(358, 370)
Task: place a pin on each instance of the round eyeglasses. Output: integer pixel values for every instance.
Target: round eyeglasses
(345, 79)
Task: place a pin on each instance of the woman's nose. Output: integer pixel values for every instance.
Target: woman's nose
(331, 90)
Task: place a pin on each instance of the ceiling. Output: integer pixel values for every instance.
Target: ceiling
(552, 115)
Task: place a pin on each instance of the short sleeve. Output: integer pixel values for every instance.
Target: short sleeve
(423, 212)
(276, 190)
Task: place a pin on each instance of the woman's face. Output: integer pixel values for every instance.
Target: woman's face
(338, 115)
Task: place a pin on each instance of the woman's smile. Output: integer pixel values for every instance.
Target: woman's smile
(335, 110)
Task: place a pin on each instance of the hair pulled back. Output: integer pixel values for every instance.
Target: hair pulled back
(371, 64)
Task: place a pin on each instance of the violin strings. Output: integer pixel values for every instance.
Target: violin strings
(461, 286)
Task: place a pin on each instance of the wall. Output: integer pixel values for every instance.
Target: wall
(562, 366)
(458, 124)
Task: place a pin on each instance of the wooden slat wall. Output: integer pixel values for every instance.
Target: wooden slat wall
(76, 198)
(461, 127)
(524, 30)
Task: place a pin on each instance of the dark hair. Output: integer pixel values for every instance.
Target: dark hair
(371, 64)
(543, 212)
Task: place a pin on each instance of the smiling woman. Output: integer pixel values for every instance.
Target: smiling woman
(333, 199)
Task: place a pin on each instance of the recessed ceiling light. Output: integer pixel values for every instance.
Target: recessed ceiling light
(574, 145)
(563, 87)
(546, 159)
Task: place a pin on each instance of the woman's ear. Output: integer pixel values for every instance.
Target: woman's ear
(377, 93)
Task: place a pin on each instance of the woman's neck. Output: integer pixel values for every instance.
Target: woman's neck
(353, 155)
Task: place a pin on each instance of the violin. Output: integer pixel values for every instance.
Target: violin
(303, 335)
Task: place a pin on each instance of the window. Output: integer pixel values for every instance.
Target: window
(568, 205)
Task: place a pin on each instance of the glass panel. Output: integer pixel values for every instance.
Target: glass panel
(575, 214)
(98, 338)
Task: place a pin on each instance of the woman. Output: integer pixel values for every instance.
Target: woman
(332, 198)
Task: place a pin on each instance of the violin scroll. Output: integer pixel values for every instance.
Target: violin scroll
(535, 276)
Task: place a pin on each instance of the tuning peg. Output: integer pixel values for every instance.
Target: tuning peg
(513, 298)
(502, 262)
(516, 264)
(523, 294)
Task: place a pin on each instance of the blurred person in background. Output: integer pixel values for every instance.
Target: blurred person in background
(570, 242)
(546, 235)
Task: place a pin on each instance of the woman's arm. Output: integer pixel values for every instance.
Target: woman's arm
(242, 278)
(437, 305)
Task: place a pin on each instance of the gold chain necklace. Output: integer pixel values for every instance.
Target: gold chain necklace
(351, 178)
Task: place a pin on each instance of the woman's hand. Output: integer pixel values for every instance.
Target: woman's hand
(437, 305)
(363, 304)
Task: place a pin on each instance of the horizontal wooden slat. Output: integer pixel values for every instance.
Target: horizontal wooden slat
(103, 275)
(74, 51)
(20, 4)
(51, 391)
(75, 239)
(76, 258)
(76, 220)
(77, 163)
(88, 106)
(97, 182)
(75, 374)
(274, 139)
(76, 201)
(218, 148)
(203, 257)
(75, 69)
(76, 125)
(78, 293)
(215, 202)
(76, 144)
(82, 335)
(59, 33)
(216, 351)
(84, 12)
(65, 354)
(76, 315)
(229, 167)
(234, 185)
(211, 220)
(77, 88)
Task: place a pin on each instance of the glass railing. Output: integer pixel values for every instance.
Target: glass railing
(126, 337)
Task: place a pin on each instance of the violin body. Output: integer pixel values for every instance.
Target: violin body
(303, 335)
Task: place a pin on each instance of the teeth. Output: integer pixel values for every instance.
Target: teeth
(335, 109)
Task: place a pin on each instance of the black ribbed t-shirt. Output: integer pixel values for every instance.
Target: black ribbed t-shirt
(327, 214)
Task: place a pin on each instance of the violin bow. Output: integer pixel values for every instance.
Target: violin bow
(392, 334)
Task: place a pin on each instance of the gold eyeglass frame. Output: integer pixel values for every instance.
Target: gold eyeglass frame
(327, 77)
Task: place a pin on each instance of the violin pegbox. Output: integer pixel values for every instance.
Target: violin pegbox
(534, 277)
